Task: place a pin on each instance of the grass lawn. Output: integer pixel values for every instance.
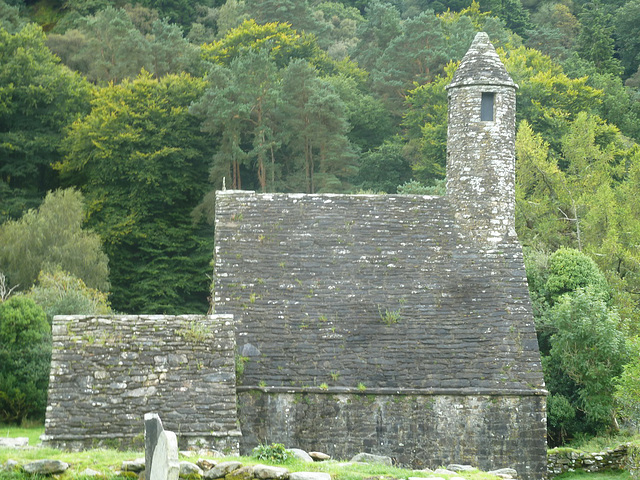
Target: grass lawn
(617, 475)
(109, 461)
(32, 433)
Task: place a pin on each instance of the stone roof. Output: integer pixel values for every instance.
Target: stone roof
(481, 66)
(380, 290)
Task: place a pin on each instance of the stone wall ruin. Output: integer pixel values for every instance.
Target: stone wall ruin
(108, 371)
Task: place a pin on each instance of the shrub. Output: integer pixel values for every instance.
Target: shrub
(570, 269)
(61, 293)
(275, 453)
(413, 187)
(627, 386)
(25, 357)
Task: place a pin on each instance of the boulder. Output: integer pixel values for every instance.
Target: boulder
(460, 468)
(444, 471)
(188, 468)
(370, 458)
(504, 471)
(17, 442)
(136, 465)
(243, 473)
(309, 476)
(10, 466)
(265, 472)
(88, 472)
(45, 467)
(319, 456)
(206, 464)
(221, 470)
(300, 455)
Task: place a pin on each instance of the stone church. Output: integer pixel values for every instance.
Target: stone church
(393, 324)
(390, 324)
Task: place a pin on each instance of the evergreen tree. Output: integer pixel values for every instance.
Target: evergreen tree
(595, 42)
(239, 105)
(316, 128)
(627, 33)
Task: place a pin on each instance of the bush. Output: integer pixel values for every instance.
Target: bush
(275, 453)
(627, 387)
(587, 352)
(61, 293)
(570, 269)
(414, 187)
(25, 358)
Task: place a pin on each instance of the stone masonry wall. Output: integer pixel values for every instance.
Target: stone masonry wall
(416, 430)
(562, 460)
(108, 371)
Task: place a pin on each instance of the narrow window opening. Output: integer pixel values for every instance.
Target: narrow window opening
(486, 107)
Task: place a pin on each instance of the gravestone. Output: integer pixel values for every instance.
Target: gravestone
(161, 450)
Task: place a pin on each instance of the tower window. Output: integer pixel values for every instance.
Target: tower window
(486, 107)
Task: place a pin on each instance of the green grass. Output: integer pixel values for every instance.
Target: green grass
(109, 461)
(603, 442)
(615, 475)
(31, 432)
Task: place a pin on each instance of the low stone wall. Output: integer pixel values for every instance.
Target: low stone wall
(561, 460)
(633, 460)
(416, 429)
(108, 371)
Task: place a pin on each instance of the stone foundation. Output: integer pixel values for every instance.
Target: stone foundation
(416, 430)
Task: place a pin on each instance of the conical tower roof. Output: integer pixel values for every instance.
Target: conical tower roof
(481, 66)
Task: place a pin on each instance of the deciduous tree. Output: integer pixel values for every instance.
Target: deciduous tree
(50, 238)
(38, 99)
(25, 357)
(142, 162)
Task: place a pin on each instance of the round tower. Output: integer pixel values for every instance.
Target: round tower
(481, 144)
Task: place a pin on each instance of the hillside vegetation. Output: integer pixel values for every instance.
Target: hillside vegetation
(120, 118)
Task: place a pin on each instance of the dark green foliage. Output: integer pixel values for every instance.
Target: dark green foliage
(515, 16)
(298, 13)
(182, 12)
(383, 169)
(413, 57)
(25, 355)
(569, 270)
(627, 34)
(588, 350)
(627, 385)
(581, 340)
(38, 99)
(382, 25)
(10, 18)
(109, 47)
(370, 121)
(595, 42)
(142, 161)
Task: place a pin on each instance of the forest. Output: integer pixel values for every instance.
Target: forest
(120, 118)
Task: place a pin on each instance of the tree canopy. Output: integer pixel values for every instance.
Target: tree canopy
(148, 107)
